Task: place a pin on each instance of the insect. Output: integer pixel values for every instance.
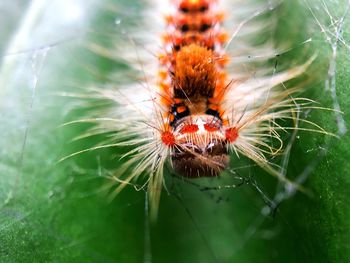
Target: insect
(195, 113)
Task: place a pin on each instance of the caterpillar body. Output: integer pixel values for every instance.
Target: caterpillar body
(197, 109)
(193, 84)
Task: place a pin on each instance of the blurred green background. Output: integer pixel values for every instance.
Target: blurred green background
(55, 212)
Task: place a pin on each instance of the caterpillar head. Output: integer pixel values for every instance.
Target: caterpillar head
(201, 146)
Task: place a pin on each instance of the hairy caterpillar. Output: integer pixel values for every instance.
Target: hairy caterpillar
(195, 108)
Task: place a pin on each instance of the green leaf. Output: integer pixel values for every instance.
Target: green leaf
(54, 211)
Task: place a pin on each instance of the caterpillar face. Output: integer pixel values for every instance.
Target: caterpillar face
(201, 147)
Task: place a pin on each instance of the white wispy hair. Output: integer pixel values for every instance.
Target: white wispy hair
(253, 104)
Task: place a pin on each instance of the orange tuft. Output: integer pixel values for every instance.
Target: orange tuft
(163, 59)
(168, 138)
(181, 109)
(220, 16)
(223, 37)
(195, 72)
(164, 86)
(214, 107)
(168, 19)
(171, 118)
(190, 128)
(177, 101)
(210, 127)
(231, 134)
(224, 60)
(163, 74)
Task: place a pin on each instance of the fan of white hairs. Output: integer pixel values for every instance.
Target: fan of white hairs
(253, 104)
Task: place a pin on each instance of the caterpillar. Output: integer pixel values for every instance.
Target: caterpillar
(192, 110)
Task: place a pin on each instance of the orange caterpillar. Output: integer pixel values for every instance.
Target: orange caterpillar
(193, 83)
(200, 107)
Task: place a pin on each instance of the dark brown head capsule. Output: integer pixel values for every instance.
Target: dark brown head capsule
(201, 149)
